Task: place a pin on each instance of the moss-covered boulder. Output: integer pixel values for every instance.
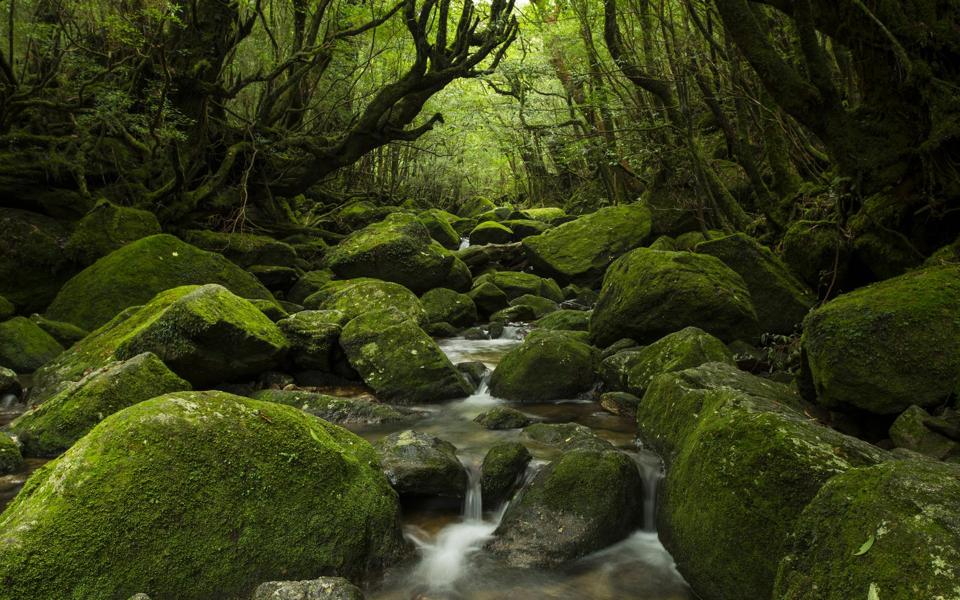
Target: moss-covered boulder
(580, 503)
(447, 306)
(354, 297)
(488, 298)
(817, 252)
(67, 334)
(475, 206)
(538, 305)
(546, 366)
(244, 249)
(490, 232)
(205, 334)
(199, 495)
(741, 466)
(275, 277)
(886, 346)
(339, 410)
(890, 531)
(580, 251)
(9, 382)
(516, 283)
(33, 262)
(569, 320)
(910, 431)
(648, 294)
(360, 214)
(308, 284)
(11, 460)
(780, 299)
(313, 336)
(690, 347)
(502, 468)
(419, 464)
(108, 227)
(398, 249)
(24, 347)
(438, 223)
(502, 417)
(137, 272)
(50, 428)
(664, 242)
(399, 361)
(547, 214)
(565, 437)
(524, 228)
(324, 588)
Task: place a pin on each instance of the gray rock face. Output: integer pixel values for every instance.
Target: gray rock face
(419, 464)
(324, 588)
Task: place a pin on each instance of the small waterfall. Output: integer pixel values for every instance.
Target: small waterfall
(473, 503)
(464, 243)
(8, 401)
(651, 471)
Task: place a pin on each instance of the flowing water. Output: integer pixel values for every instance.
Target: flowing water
(450, 561)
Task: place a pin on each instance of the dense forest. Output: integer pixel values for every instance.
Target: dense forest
(449, 299)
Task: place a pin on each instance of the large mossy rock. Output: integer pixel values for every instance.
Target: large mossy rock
(580, 503)
(548, 365)
(134, 274)
(546, 214)
(399, 361)
(342, 411)
(33, 261)
(108, 227)
(25, 347)
(438, 223)
(648, 294)
(447, 306)
(205, 334)
(741, 466)
(399, 249)
(893, 528)
(67, 334)
(490, 232)
(886, 346)
(515, 284)
(244, 249)
(199, 495)
(580, 251)
(567, 320)
(419, 464)
(50, 428)
(313, 337)
(354, 297)
(910, 431)
(780, 299)
(502, 468)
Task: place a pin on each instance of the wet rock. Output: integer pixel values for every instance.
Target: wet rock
(571, 320)
(474, 371)
(546, 366)
(399, 361)
(9, 383)
(911, 432)
(491, 232)
(342, 411)
(244, 249)
(780, 299)
(566, 437)
(619, 346)
(399, 249)
(204, 334)
(520, 313)
(50, 428)
(324, 588)
(108, 227)
(24, 347)
(134, 274)
(11, 460)
(893, 528)
(440, 330)
(67, 334)
(621, 404)
(502, 417)
(308, 284)
(419, 464)
(501, 471)
(648, 294)
(515, 284)
(498, 257)
(741, 466)
(887, 346)
(447, 306)
(538, 305)
(313, 337)
(179, 477)
(580, 503)
(354, 297)
(488, 298)
(580, 251)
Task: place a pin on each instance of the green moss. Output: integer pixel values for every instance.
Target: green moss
(488, 298)
(502, 417)
(244, 249)
(7, 309)
(690, 347)
(438, 223)
(688, 241)
(516, 283)
(338, 410)
(399, 361)
(571, 320)
(502, 467)
(199, 495)
(879, 240)
(547, 366)
(397, 249)
(67, 334)
(538, 305)
(908, 508)
(313, 336)
(580, 251)
(52, 427)
(33, 264)
(308, 284)
(886, 346)
(137, 272)
(447, 306)
(648, 294)
(11, 460)
(549, 214)
(524, 228)
(910, 431)
(816, 252)
(356, 297)
(490, 232)
(565, 437)
(419, 464)
(24, 346)
(475, 206)
(664, 242)
(360, 214)
(780, 299)
(108, 227)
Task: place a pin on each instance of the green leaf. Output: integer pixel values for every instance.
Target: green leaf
(865, 547)
(873, 593)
